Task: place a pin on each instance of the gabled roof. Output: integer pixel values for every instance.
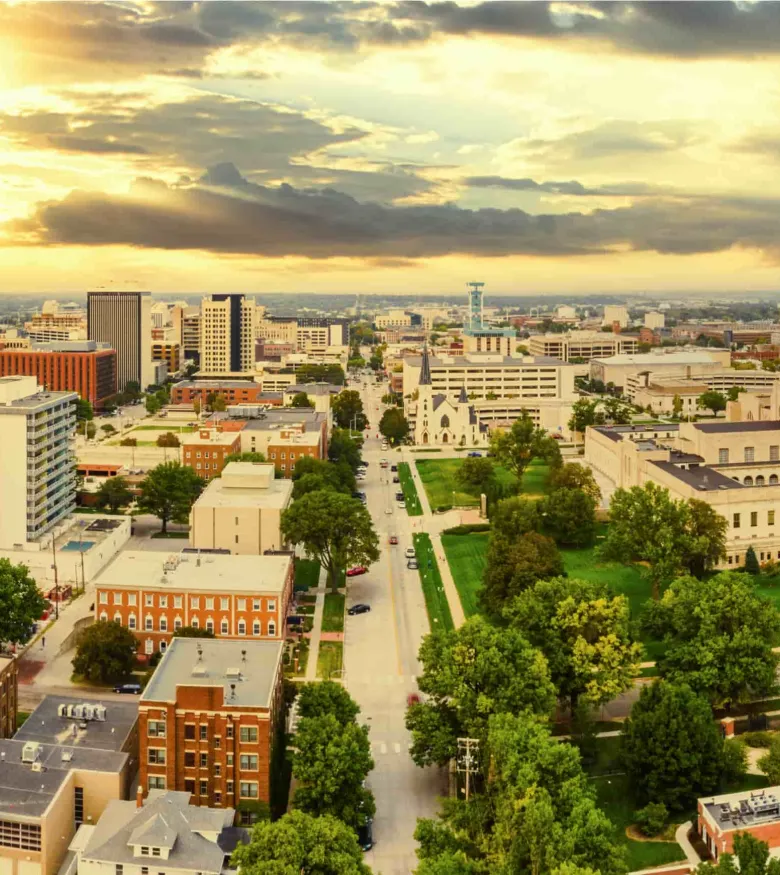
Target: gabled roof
(425, 369)
(463, 397)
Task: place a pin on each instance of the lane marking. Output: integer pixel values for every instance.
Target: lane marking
(395, 614)
(397, 747)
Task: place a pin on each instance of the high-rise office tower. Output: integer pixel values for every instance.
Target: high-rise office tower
(227, 334)
(124, 319)
(37, 477)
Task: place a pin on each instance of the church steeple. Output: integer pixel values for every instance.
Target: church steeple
(463, 398)
(425, 370)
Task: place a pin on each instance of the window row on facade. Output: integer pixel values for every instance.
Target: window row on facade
(177, 601)
(209, 625)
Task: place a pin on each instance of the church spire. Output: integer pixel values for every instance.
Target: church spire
(425, 370)
(463, 398)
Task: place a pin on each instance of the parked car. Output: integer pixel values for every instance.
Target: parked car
(358, 609)
(399, 496)
(365, 835)
(409, 553)
(394, 467)
(396, 479)
(383, 463)
(388, 510)
(412, 565)
(413, 699)
(356, 569)
(393, 539)
(475, 455)
(133, 689)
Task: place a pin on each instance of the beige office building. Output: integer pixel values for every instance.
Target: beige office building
(584, 345)
(615, 313)
(733, 466)
(227, 335)
(618, 369)
(393, 319)
(124, 320)
(241, 511)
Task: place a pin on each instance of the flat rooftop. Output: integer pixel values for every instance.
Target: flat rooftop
(738, 811)
(490, 361)
(747, 426)
(188, 572)
(276, 419)
(671, 358)
(213, 439)
(46, 726)
(298, 439)
(703, 477)
(252, 666)
(217, 384)
(219, 493)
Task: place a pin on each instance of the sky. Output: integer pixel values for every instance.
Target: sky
(396, 147)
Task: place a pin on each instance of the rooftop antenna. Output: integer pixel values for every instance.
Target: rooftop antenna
(200, 652)
(232, 691)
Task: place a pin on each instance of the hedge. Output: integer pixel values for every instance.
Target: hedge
(467, 529)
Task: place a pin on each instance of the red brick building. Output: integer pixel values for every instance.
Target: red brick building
(81, 366)
(206, 451)
(207, 722)
(234, 596)
(720, 818)
(233, 391)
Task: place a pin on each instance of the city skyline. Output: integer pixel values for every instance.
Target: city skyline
(350, 148)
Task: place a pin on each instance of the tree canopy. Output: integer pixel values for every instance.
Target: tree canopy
(718, 637)
(169, 491)
(476, 474)
(244, 457)
(193, 632)
(301, 399)
(516, 448)
(312, 474)
(752, 855)
(671, 747)
(114, 493)
(468, 674)
(572, 475)
(299, 844)
(105, 652)
(394, 426)
(333, 528)
(343, 447)
(315, 700)
(712, 400)
(21, 603)
(569, 517)
(347, 409)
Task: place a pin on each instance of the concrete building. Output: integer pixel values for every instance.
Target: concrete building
(123, 320)
(733, 466)
(659, 393)
(618, 369)
(57, 322)
(396, 318)
(9, 694)
(654, 320)
(565, 312)
(72, 757)
(260, 434)
(615, 314)
(154, 594)
(205, 451)
(168, 352)
(241, 510)
(722, 817)
(189, 319)
(315, 335)
(165, 831)
(581, 345)
(85, 367)
(208, 721)
(227, 334)
(37, 479)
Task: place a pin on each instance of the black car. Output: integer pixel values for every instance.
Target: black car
(365, 835)
(358, 609)
(134, 689)
(396, 479)
(399, 496)
(394, 467)
(360, 495)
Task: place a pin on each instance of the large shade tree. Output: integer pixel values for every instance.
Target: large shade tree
(517, 447)
(21, 602)
(169, 491)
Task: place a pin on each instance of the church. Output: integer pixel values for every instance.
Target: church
(438, 421)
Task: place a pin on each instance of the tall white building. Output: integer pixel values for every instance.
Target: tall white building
(124, 319)
(37, 478)
(614, 313)
(654, 320)
(227, 334)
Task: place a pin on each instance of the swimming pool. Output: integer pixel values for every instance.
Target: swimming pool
(77, 546)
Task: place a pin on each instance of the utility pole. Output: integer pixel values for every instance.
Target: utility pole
(466, 760)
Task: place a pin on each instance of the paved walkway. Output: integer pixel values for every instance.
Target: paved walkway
(316, 629)
(681, 836)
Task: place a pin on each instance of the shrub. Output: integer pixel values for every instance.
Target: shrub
(652, 818)
(760, 738)
(735, 760)
(443, 508)
(467, 529)
(128, 442)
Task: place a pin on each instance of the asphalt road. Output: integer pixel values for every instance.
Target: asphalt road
(381, 667)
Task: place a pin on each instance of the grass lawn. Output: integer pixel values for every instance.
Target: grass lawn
(441, 485)
(413, 506)
(307, 574)
(466, 558)
(21, 717)
(171, 534)
(329, 658)
(176, 429)
(436, 603)
(333, 612)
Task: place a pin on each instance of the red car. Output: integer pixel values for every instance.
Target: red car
(413, 699)
(393, 539)
(356, 569)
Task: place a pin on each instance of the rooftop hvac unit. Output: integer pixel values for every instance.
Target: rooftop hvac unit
(67, 756)
(233, 673)
(199, 671)
(37, 767)
(30, 752)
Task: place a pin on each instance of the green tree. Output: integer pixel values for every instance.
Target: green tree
(316, 700)
(734, 393)
(168, 439)
(108, 429)
(394, 426)
(105, 652)
(476, 474)
(330, 764)
(133, 390)
(752, 855)
(219, 404)
(712, 400)
(168, 492)
(90, 430)
(671, 747)
(468, 674)
(254, 458)
(347, 408)
(342, 447)
(513, 566)
(616, 410)
(356, 363)
(583, 632)
(769, 763)
(585, 413)
(301, 399)
(751, 561)
(705, 544)
(677, 406)
(515, 516)
(193, 632)
(517, 448)
(114, 493)
(299, 844)
(569, 517)
(21, 603)
(84, 410)
(336, 475)
(153, 404)
(647, 525)
(718, 637)
(128, 442)
(572, 475)
(334, 529)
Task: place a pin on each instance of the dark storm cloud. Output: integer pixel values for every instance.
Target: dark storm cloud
(247, 219)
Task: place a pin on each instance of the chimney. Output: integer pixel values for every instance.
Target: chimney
(139, 797)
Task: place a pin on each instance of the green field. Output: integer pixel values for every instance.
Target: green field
(329, 659)
(442, 487)
(307, 574)
(466, 558)
(333, 612)
(413, 506)
(436, 603)
(176, 429)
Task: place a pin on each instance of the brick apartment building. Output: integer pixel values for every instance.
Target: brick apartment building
(233, 391)
(756, 812)
(86, 367)
(291, 444)
(206, 451)
(8, 695)
(207, 722)
(153, 594)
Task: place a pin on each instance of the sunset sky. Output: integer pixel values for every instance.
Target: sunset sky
(390, 147)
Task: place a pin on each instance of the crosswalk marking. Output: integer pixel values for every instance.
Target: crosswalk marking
(397, 747)
(383, 748)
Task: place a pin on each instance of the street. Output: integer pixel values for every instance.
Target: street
(380, 663)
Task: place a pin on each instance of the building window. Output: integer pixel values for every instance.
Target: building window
(210, 604)
(195, 623)
(256, 604)
(204, 732)
(217, 798)
(217, 770)
(256, 627)
(163, 601)
(248, 734)
(118, 618)
(189, 759)
(754, 518)
(748, 481)
(195, 603)
(149, 646)
(210, 624)
(149, 623)
(229, 732)
(271, 604)
(229, 787)
(241, 605)
(156, 756)
(163, 624)
(119, 869)
(224, 604)
(229, 760)
(224, 627)
(131, 621)
(248, 789)
(189, 731)
(177, 623)
(770, 518)
(117, 598)
(248, 762)
(156, 782)
(774, 453)
(204, 788)
(149, 600)
(103, 598)
(155, 852)
(217, 742)
(241, 627)
(155, 729)
(723, 457)
(177, 601)
(271, 628)
(145, 850)
(204, 760)
(736, 520)
(750, 454)
(78, 805)
(131, 599)
(189, 785)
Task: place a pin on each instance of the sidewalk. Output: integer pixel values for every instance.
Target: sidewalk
(316, 629)
(456, 608)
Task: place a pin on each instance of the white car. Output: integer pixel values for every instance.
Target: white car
(388, 510)
(409, 553)
(402, 505)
